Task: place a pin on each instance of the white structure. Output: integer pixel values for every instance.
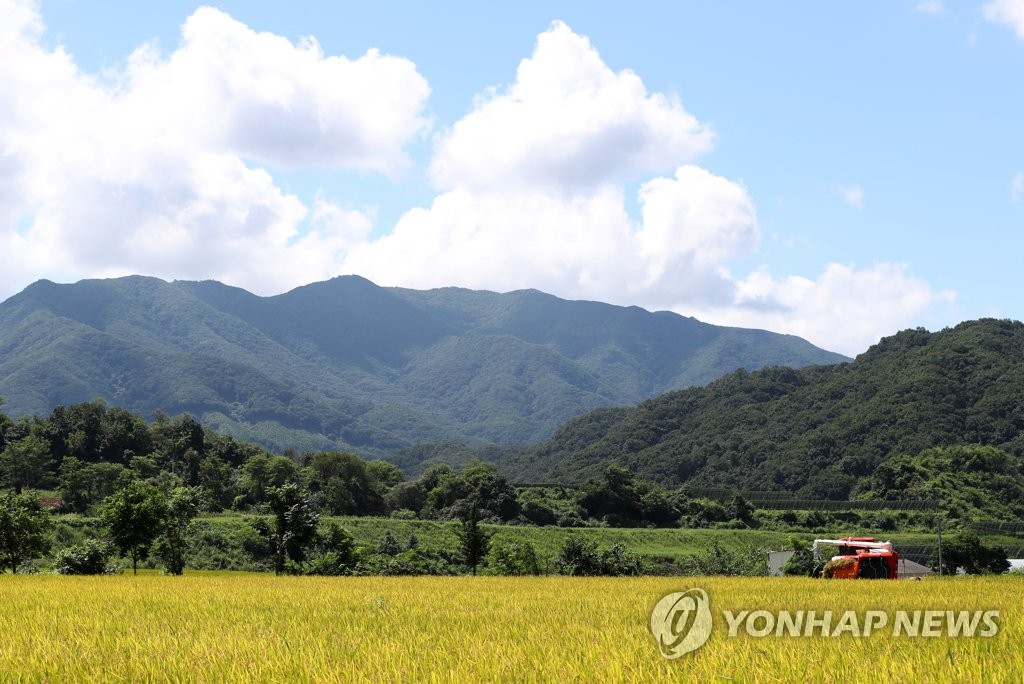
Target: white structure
(776, 559)
(908, 569)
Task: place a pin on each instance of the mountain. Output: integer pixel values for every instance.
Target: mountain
(822, 431)
(347, 364)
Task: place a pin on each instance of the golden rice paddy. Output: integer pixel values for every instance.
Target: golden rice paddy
(250, 628)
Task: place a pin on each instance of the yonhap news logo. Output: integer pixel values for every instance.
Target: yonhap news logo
(682, 622)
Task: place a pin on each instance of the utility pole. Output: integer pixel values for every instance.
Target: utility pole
(939, 525)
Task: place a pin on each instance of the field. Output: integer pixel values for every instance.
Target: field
(243, 627)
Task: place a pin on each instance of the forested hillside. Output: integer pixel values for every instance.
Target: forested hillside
(824, 431)
(345, 364)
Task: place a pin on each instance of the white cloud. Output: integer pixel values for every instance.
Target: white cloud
(156, 172)
(150, 171)
(568, 121)
(584, 246)
(930, 7)
(1008, 12)
(845, 309)
(260, 96)
(1017, 187)
(852, 195)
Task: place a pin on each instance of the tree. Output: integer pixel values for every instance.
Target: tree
(181, 442)
(389, 546)
(5, 424)
(345, 482)
(802, 561)
(24, 530)
(82, 484)
(294, 526)
(135, 516)
(23, 462)
(215, 477)
(261, 472)
(618, 499)
(965, 550)
(473, 540)
(334, 552)
(171, 547)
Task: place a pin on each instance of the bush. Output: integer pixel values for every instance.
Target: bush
(513, 558)
(89, 558)
(389, 546)
(617, 561)
(801, 563)
(540, 514)
(718, 560)
(579, 557)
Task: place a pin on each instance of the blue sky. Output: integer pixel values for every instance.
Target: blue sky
(833, 171)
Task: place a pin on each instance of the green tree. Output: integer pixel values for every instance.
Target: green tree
(261, 472)
(965, 550)
(801, 563)
(83, 484)
(181, 442)
(23, 462)
(24, 530)
(384, 475)
(5, 425)
(473, 539)
(345, 482)
(215, 477)
(294, 526)
(135, 516)
(334, 552)
(172, 545)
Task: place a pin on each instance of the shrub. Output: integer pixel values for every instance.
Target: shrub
(89, 558)
(514, 558)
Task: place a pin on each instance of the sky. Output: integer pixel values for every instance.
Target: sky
(837, 171)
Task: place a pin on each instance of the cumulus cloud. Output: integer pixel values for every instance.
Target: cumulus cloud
(263, 97)
(167, 169)
(155, 170)
(844, 309)
(568, 121)
(584, 246)
(1008, 12)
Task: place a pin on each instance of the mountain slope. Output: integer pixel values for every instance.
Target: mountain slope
(347, 364)
(817, 429)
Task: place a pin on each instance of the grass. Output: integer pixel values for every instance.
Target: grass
(672, 543)
(244, 627)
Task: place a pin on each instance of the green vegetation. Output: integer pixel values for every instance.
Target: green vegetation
(346, 365)
(149, 489)
(893, 424)
(23, 531)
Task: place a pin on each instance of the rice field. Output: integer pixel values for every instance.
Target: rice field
(247, 628)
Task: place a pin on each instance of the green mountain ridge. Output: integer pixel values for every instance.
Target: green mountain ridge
(820, 431)
(350, 365)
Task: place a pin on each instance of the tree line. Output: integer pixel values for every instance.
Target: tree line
(82, 454)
